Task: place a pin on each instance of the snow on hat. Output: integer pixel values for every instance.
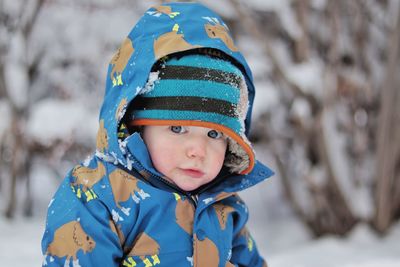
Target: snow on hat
(199, 90)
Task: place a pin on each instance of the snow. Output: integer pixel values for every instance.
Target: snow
(153, 78)
(53, 120)
(5, 118)
(266, 98)
(222, 7)
(301, 109)
(20, 242)
(318, 4)
(361, 248)
(308, 75)
(277, 6)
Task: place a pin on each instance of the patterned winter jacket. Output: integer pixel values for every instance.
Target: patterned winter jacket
(116, 209)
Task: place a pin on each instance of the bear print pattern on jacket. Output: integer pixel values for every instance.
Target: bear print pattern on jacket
(68, 240)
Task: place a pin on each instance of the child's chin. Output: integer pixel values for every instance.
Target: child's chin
(188, 187)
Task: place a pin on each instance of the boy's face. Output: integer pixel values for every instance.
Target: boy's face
(188, 156)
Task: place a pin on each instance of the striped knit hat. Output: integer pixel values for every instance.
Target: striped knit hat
(199, 90)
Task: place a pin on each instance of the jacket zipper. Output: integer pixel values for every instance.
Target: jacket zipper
(194, 199)
(191, 197)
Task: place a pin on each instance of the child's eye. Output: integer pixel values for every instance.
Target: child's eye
(177, 129)
(215, 134)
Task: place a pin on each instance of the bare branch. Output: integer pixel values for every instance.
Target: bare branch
(31, 18)
(302, 43)
(255, 30)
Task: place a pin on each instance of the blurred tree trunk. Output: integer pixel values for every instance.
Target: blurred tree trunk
(19, 26)
(2, 95)
(388, 134)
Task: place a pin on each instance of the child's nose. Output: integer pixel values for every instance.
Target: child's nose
(196, 148)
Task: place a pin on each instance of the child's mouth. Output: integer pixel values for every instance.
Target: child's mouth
(193, 173)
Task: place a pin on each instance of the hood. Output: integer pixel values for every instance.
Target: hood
(163, 30)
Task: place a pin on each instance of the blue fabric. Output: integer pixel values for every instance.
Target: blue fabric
(116, 209)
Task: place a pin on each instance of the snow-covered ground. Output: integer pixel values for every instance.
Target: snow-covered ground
(285, 243)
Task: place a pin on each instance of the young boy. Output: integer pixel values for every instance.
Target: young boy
(172, 153)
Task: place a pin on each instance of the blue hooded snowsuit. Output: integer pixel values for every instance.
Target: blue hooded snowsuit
(115, 209)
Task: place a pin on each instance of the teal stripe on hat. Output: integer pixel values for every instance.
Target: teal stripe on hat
(196, 88)
(201, 61)
(194, 73)
(229, 122)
